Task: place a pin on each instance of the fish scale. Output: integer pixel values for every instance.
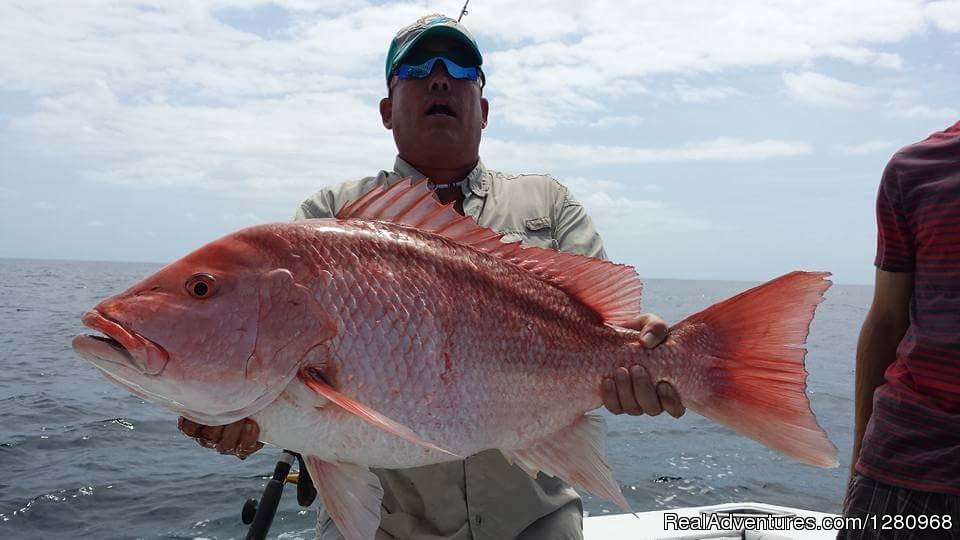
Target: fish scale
(523, 341)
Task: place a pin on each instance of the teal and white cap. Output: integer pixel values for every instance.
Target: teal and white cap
(435, 25)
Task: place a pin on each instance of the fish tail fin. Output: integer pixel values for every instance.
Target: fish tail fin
(757, 378)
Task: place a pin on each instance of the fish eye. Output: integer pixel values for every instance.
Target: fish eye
(201, 286)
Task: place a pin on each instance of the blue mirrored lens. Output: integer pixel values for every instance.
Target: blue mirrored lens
(422, 71)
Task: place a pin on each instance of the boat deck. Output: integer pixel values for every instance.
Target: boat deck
(731, 520)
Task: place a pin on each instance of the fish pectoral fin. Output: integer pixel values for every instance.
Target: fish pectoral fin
(314, 380)
(576, 455)
(351, 495)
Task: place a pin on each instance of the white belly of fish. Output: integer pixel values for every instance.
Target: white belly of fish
(301, 421)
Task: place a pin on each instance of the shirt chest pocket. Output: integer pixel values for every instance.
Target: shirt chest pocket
(535, 231)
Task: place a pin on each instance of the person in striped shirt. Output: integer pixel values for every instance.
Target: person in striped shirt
(906, 456)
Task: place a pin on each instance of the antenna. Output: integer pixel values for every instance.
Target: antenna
(463, 11)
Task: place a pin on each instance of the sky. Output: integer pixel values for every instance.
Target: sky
(708, 140)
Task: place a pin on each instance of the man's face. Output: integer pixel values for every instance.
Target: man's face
(436, 121)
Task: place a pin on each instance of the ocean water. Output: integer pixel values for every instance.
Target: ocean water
(81, 457)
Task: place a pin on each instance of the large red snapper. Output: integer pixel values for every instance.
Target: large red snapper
(402, 334)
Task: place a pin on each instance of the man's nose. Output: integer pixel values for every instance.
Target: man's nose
(439, 78)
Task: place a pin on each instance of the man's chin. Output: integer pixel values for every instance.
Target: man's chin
(441, 131)
(441, 118)
(438, 146)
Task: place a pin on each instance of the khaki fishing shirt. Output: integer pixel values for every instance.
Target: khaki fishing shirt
(484, 496)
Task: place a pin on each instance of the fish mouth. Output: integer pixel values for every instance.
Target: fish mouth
(119, 345)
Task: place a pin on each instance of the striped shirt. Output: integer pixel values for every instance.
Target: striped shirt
(913, 437)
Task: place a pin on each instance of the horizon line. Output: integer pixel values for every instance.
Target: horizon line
(158, 263)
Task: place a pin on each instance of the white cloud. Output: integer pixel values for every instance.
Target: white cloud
(863, 149)
(545, 81)
(541, 74)
(888, 60)
(924, 111)
(41, 205)
(154, 93)
(650, 216)
(817, 89)
(579, 185)
(613, 206)
(276, 148)
(715, 94)
(139, 47)
(284, 148)
(863, 55)
(527, 156)
(241, 220)
(946, 15)
(629, 120)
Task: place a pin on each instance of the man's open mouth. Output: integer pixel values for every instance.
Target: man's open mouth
(440, 108)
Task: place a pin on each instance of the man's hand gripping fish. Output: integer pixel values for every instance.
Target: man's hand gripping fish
(402, 334)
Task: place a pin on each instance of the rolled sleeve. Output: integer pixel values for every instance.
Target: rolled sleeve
(574, 230)
(320, 205)
(329, 200)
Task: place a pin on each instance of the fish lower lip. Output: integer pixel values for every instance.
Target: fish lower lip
(101, 351)
(116, 345)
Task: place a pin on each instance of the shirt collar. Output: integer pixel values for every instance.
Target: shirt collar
(477, 180)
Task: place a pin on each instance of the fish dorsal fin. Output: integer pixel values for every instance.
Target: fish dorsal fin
(612, 290)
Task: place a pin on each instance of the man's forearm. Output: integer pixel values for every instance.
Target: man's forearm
(876, 350)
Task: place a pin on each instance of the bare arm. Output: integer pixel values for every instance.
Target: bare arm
(884, 327)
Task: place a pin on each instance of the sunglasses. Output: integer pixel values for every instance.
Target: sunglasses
(422, 71)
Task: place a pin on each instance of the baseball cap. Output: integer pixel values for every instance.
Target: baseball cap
(435, 25)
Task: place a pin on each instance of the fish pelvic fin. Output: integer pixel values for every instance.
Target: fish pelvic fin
(315, 382)
(757, 379)
(351, 494)
(612, 290)
(576, 455)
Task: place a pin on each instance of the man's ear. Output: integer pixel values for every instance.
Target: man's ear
(484, 110)
(386, 112)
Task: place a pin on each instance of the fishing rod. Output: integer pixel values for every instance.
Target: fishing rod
(463, 11)
(259, 515)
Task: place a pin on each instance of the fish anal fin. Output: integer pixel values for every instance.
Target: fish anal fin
(351, 494)
(612, 290)
(315, 381)
(577, 456)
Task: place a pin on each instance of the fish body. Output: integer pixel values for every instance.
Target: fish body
(467, 350)
(401, 334)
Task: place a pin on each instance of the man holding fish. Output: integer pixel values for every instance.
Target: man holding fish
(436, 111)
(401, 334)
